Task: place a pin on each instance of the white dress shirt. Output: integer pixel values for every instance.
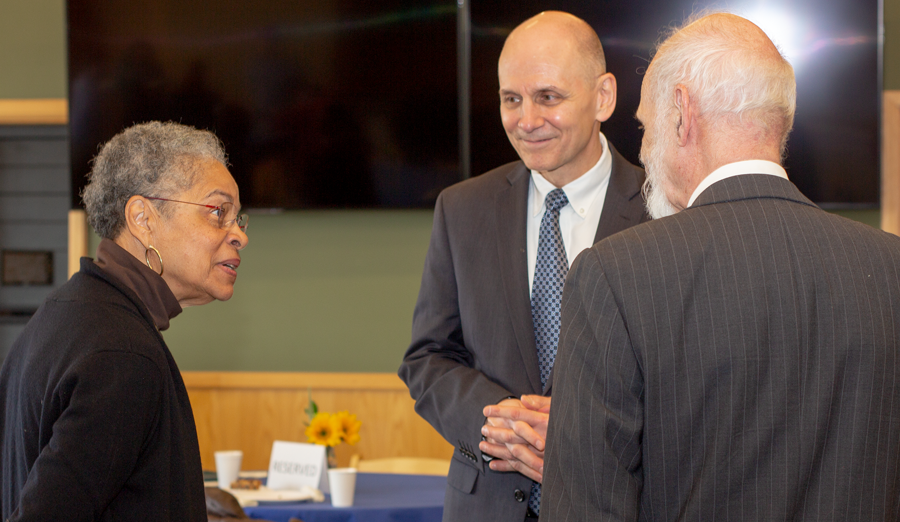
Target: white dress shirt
(578, 220)
(736, 169)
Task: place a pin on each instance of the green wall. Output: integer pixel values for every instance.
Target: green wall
(33, 48)
(316, 291)
(891, 44)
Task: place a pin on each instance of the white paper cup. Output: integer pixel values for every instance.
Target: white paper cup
(228, 465)
(342, 482)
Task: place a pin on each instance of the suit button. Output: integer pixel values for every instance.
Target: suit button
(520, 496)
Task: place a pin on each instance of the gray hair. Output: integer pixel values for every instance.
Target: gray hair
(732, 79)
(151, 159)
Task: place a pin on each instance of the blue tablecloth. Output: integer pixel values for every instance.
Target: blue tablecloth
(378, 498)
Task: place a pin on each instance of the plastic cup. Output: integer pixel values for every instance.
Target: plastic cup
(228, 465)
(342, 483)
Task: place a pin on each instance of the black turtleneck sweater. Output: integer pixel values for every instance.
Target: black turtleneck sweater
(97, 424)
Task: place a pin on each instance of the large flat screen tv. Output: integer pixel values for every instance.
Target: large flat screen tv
(381, 103)
(320, 103)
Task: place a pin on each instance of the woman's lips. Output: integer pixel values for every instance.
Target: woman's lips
(230, 266)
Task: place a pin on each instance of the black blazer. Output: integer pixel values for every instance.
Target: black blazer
(96, 421)
(472, 337)
(739, 360)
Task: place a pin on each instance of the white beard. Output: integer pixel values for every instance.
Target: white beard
(655, 200)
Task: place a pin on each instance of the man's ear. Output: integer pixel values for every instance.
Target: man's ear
(606, 96)
(684, 106)
(140, 218)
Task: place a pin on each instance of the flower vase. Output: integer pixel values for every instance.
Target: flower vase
(330, 457)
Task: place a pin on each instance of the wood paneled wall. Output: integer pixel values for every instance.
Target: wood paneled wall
(52, 111)
(250, 410)
(890, 162)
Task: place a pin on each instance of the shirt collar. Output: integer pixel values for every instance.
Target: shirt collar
(736, 169)
(580, 192)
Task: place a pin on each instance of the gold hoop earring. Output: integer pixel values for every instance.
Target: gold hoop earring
(147, 258)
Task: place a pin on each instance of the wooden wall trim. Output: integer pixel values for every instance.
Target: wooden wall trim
(293, 380)
(890, 163)
(46, 111)
(250, 410)
(78, 239)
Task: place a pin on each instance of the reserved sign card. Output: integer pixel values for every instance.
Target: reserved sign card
(297, 464)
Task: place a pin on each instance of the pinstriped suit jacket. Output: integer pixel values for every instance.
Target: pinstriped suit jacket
(739, 360)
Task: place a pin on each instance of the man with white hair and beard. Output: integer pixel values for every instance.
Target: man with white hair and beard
(738, 357)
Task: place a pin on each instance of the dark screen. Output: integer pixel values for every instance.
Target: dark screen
(833, 151)
(320, 104)
(353, 103)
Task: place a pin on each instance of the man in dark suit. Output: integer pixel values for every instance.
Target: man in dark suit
(473, 365)
(740, 359)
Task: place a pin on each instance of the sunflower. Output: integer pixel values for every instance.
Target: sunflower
(324, 430)
(348, 426)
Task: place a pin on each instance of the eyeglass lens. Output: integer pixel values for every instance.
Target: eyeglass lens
(242, 221)
(228, 216)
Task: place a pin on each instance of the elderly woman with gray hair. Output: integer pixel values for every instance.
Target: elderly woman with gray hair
(97, 424)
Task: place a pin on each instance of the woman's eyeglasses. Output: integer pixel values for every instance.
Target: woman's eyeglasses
(227, 213)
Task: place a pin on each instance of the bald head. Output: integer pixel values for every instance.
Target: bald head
(556, 32)
(554, 93)
(732, 68)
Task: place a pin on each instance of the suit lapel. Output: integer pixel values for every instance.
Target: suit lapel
(622, 207)
(512, 208)
(620, 211)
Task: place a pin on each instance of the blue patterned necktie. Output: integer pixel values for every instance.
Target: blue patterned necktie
(546, 295)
